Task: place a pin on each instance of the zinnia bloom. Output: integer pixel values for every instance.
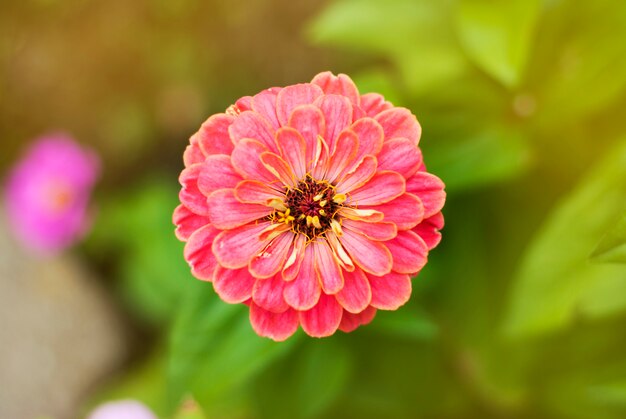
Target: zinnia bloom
(122, 409)
(47, 193)
(311, 204)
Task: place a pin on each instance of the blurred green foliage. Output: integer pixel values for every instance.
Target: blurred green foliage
(521, 311)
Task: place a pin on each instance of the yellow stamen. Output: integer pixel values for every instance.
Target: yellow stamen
(301, 217)
(316, 222)
(323, 203)
(339, 198)
(309, 220)
(318, 197)
(322, 213)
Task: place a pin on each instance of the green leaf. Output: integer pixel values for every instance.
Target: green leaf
(497, 35)
(595, 392)
(215, 352)
(136, 230)
(556, 279)
(415, 35)
(307, 383)
(408, 322)
(582, 68)
(493, 155)
(612, 247)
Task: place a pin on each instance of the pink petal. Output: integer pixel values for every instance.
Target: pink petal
(400, 155)
(339, 85)
(213, 136)
(406, 211)
(428, 230)
(391, 291)
(250, 124)
(383, 187)
(304, 291)
(198, 252)
(323, 319)
(226, 211)
(358, 176)
(217, 173)
(375, 231)
(268, 294)
(337, 111)
(356, 293)
(373, 104)
(309, 121)
(264, 103)
(279, 168)
(234, 286)
(276, 326)
(294, 261)
(234, 248)
(409, 251)
(350, 321)
(429, 189)
(293, 150)
(255, 192)
(371, 256)
(271, 260)
(341, 256)
(357, 113)
(343, 155)
(190, 194)
(244, 104)
(186, 222)
(245, 160)
(293, 96)
(371, 136)
(193, 154)
(327, 268)
(399, 122)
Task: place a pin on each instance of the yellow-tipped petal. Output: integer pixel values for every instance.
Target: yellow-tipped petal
(278, 204)
(334, 224)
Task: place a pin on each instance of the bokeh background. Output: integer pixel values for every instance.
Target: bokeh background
(520, 312)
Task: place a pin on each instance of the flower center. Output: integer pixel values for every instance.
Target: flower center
(310, 207)
(57, 196)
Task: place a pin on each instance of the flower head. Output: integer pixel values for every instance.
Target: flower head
(310, 203)
(47, 193)
(122, 409)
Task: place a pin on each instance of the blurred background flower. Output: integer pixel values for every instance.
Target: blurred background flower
(521, 309)
(47, 193)
(123, 409)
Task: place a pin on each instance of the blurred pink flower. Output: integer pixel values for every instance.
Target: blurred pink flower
(47, 193)
(122, 409)
(311, 204)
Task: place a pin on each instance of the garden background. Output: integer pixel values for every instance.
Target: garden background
(520, 312)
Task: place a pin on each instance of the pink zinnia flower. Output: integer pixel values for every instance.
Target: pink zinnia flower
(311, 204)
(122, 409)
(47, 193)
